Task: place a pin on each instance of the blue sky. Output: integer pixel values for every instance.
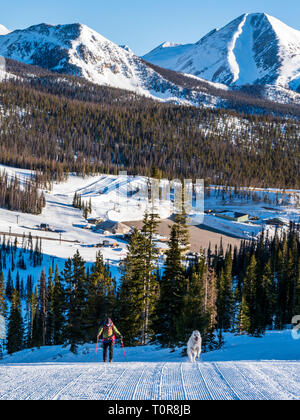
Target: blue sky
(144, 24)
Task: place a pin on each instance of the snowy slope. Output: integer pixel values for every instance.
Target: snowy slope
(109, 197)
(73, 49)
(77, 50)
(246, 369)
(4, 30)
(3, 73)
(252, 49)
(228, 57)
(274, 346)
(115, 198)
(152, 381)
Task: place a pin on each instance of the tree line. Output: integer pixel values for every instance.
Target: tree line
(24, 197)
(58, 134)
(246, 290)
(249, 99)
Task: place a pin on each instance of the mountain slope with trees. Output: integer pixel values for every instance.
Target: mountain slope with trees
(63, 132)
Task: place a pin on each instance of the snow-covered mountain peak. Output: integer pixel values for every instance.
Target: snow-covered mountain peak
(207, 35)
(254, 48)
(169, 44)
(75, 49)
(4, 30)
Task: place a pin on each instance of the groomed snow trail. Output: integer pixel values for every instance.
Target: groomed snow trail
(152, 381)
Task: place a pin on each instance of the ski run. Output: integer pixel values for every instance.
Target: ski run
(246, 368)
(152, 381)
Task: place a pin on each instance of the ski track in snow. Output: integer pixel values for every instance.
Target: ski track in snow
(152, 381)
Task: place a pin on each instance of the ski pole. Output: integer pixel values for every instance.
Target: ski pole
(96, 348)
(123, 349)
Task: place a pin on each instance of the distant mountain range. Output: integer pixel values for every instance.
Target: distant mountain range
(254, 49)
(79, 51)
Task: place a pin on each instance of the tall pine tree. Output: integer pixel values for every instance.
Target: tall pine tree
(15, 329)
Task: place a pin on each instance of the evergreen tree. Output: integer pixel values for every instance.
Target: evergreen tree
(149, 230)
(75, 200)
(194, 312)
(266, 295)
(132, 291)
(50, 316)
(58, 308)
(244, 317)
(251, 310)
(291, 281)
(100, 302)
(3, 307)
(9, 286)
(210, 307)
(225, 297)
(3, 304)
(173, 287)
(15, 329)
(85, 211)
(75, 278)
(282, 290)
(33, 331)
(43, 307)
(297, 291)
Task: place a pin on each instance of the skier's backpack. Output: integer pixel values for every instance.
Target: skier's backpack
(111, 338)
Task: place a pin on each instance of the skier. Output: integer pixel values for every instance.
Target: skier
(108, 333)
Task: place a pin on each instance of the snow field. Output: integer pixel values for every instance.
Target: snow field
(246, 368)
(111, 199)
(152, 381)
